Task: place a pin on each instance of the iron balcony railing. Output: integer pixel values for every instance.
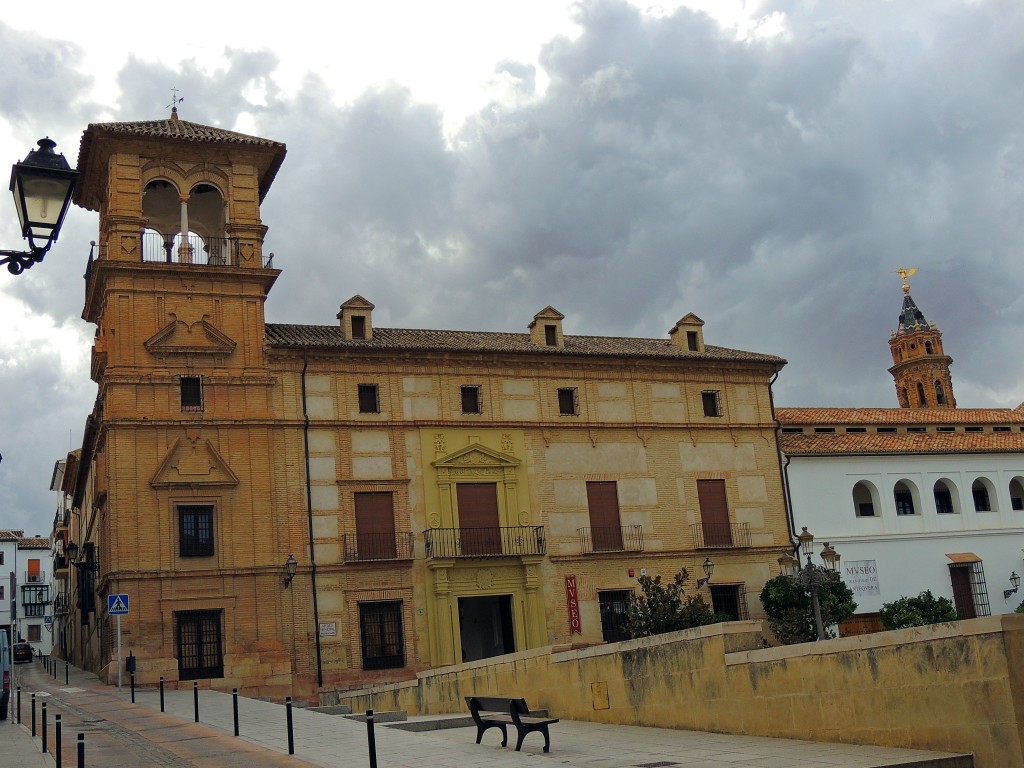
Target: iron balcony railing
(193, 249)
(34, 578)
(624, 538)
(485, 542)
(369, 547)
(720, 535)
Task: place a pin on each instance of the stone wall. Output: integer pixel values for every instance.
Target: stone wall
(952, 687)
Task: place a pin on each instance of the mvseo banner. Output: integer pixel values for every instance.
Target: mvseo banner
(572, 599)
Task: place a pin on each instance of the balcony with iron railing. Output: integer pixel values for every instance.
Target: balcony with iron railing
(485, 542)
(376, 547)
(60, 604)
(34, 578)
(720, 535)
(33, 610)
(193, 249)
(620, 538)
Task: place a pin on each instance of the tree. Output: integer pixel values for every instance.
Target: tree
(918, 611)
(790, 609)
(665, 608)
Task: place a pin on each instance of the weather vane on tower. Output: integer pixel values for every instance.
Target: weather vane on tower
(175, 101)
(905, 273)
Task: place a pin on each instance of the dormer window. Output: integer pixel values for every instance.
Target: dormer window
(359, 327)
(546, 328)
(356, 316)
(551, 335)
(691, 341)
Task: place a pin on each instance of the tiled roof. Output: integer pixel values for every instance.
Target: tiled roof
(9, 534)
(861, 443)
(862, 416)
(34, 542)
(401, 339)
(173, 128)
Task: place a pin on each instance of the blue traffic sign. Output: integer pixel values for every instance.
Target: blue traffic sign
(117, 605)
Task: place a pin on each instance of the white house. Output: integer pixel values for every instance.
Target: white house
(8, 555)
(34, 610)
(912, 499)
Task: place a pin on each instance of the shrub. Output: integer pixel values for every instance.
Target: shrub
(665, 608)
(917, 611)
(790, 609)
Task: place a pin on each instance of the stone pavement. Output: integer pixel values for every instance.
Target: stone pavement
(119, 733)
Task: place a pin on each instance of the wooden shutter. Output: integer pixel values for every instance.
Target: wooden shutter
(479, 526)
(714, 513)
(963, 595)
(605, 526)
(375, 526)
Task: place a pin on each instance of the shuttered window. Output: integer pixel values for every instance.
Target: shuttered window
(479, 526)
(375, 526)
(605, 525)
(714, 513)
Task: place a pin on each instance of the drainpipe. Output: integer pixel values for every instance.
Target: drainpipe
(783, 468)
(309, 515)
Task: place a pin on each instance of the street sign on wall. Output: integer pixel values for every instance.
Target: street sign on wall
(117, 605)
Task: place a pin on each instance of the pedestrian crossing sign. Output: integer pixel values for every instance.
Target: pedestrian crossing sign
(117, 605)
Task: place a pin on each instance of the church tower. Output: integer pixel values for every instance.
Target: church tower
(920, 367)
(180, 510)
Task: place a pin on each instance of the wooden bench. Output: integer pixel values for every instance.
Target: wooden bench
(497, 712)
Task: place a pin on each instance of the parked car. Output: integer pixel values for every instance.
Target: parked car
(5, 674)
(22, 653)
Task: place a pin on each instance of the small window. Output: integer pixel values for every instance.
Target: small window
(614, 605)
(945, 429)
(691, 341)
(886, 430)
(730, 600)
(920, 395)
(551, 335)
(856, 429)
(471, 399)
(568, 402)
(825, 430)
(380, 627)
(793, 430)
(904, 499)
(943, 499)
(916, 429)
(940, 393)
(711, 402)
(982, 503)
(1000, 429)
(200, 645)
(369, 402)
(195, 526)
(974, 429)
(928, 347)
(35, 633)
(1, 558)
(1016, 494)
(863, 500)
(191, 393)
(358, 327)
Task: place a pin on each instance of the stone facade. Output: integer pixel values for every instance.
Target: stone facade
(446, 496)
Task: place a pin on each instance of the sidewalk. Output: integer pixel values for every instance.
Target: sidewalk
(119, 733)
(19, 748)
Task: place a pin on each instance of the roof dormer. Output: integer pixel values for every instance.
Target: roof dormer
(356, 316)
(546, 328)
(688, 333)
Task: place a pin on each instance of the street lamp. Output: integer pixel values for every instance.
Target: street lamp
(72, 550)
(1015, 580)
(812, 576)
(291, 565)
(709, 568)
(42, 185)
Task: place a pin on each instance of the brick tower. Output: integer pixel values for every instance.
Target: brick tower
(920, 367)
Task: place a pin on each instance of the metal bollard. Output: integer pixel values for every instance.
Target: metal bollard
(66, 673)
(33, 715)
(81, 750)
(19, 705)
(291, 735)
(161, 694)
(56, 740)
(234, 706)
(371, 742)
(133, 686)
(195, 699)
(44, 727)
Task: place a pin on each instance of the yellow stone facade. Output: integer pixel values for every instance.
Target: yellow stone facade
(220, 445)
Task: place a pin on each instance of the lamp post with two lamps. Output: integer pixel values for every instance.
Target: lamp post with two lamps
(42, 185)
(811, 577)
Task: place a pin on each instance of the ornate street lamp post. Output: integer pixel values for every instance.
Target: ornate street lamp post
(42, 185)
(812, 576)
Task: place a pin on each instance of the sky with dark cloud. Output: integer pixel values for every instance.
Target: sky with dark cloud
(642, 166)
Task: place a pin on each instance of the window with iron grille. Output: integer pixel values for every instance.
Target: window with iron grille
(981, 500)
(730, 600)
(200, 647)
(568, 405)
(712, 403)
(380, 629)
(191, 393)
(471, 399)
(970, 594)
(614, 605)
(195, 529)
(369, 402)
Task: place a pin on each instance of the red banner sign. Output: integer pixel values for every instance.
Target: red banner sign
(572, 599)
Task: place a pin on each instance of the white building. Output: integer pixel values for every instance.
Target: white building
(8, 556)
(913, 499)
(34, 610)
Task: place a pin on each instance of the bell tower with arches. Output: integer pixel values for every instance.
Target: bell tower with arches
(920, 367)
(181, 508)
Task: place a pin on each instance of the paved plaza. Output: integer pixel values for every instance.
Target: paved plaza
(119, 734)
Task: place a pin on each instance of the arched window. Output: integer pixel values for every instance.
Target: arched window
(864, 496)
(928, 347)
(981, 491)
(1016, 494)
(903, 495)
(946, 502)
(904, 398)
(940, 393)
(920, 395)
